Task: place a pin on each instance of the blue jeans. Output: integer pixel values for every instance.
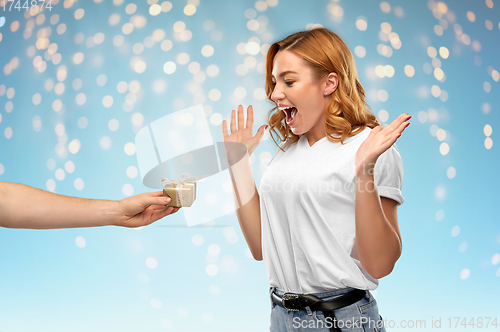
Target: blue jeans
(361, 316)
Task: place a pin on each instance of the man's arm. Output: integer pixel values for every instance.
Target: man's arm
(22, 206)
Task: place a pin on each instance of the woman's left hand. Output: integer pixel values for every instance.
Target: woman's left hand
(379, 140)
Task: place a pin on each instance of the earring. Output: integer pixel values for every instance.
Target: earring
(326, 93)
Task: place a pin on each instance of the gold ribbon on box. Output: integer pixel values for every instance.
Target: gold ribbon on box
(178, 185)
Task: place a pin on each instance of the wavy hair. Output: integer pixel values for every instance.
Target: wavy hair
(347, 113)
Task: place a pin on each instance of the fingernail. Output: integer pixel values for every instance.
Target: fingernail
(399, 135)
(167, 199)
(408, 124)
(267, 126)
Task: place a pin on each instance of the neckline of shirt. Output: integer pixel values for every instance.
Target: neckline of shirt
(306, 142)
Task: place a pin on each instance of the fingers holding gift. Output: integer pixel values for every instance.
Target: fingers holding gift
(154, 198)
(165, 211)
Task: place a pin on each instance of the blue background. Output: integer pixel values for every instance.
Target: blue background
(449, 225)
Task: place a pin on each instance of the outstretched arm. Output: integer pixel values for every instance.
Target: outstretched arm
(23, 206)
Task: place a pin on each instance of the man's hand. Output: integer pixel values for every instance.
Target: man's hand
(143, 209)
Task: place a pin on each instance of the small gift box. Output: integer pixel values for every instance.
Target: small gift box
(182, 192)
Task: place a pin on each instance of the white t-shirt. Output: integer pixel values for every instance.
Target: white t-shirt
(307, 196)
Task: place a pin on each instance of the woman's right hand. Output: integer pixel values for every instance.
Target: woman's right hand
(243, 134)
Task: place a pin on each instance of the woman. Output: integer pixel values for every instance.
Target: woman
(325, 222)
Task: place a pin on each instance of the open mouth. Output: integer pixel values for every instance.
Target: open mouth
(290, 113)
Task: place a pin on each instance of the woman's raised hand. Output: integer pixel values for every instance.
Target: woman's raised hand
(379, 140)
(243, 134)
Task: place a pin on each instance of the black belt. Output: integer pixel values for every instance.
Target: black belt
(296, 302)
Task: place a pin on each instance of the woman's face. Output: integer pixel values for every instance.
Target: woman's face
(298, 94)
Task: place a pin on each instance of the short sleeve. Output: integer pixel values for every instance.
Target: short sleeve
(389, 174)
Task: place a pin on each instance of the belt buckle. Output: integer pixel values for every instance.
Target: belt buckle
(288, 296)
